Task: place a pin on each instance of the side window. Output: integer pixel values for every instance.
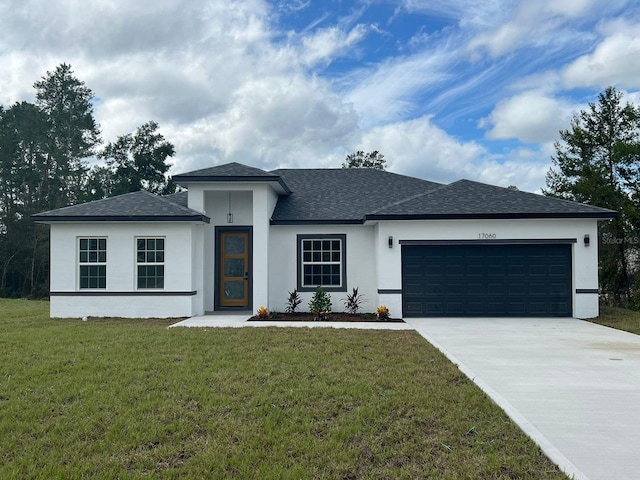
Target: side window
(92, 262)
(322, 262)
(150, 262)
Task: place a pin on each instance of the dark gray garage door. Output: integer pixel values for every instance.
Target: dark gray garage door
(486, 280)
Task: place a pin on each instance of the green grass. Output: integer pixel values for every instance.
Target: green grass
(620, 318)
(132, 399)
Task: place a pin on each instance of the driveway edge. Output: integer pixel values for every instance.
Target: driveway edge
(527, 427)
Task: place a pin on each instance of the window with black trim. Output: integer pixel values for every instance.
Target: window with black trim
(150, 262)
(322, 262)
(92, 261)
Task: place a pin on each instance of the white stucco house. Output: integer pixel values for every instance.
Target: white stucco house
(241, 237)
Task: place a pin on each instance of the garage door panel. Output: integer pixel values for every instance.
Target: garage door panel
(435, 308)
(414, 308)
(476, 288)
(455, 289)
(537, 270)
(558, 270)
(495, 270)
(475, 308)
(486, 280)
(556, 289)
(556, 308)
(518, 288)
(518, 308)
(456, 308)
(517, 270)
(496, 288)
(455, 270)
(475, 270)
(538, 308)
(412, 288)
(538, 289)
(433, 289)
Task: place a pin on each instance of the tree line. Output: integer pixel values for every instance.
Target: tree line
(597, 161)
(46, 152)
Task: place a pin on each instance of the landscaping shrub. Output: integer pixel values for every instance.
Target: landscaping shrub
(320, 304)
(353, 301)
(383, 313)
(293, 301)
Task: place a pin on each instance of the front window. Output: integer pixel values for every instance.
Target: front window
(321, 262)
(93, 262)
(150, 262)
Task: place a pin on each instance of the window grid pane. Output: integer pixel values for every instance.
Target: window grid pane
(321, 263)
(150, 260)
(92, 259)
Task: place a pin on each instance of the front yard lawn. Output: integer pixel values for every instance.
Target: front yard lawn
(133, 399)
(620, 318)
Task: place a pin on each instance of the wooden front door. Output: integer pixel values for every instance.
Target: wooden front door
(234, 269)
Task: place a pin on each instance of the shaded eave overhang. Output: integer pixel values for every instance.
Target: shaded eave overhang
(184, 180)
(119, 218)
(494, 216)
(461, 216)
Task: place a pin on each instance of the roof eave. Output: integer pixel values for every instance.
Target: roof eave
(318, 222)
(119, 218)
(184, 180)
(492, 216)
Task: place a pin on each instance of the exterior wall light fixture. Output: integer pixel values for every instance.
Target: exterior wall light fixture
(229, 215)
(390, 242)
(586, 240)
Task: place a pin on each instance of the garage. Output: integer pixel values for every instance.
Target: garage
(486, 280)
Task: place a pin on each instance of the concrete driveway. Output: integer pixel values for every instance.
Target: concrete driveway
(573, 386)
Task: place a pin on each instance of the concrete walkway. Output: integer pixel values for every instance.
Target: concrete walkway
(573, 386)
(238, 321)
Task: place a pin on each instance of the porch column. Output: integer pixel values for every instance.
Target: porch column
(260, 247)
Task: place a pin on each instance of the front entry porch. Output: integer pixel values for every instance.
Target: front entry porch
(234, 270)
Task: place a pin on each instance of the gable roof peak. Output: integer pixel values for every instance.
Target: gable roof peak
(232, 169)
(232, 172)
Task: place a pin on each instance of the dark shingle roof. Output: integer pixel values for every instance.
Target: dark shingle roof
(180, 198)
(468, 199)
(334, 196)
(135, 206)
(231, 172)
(341, 195)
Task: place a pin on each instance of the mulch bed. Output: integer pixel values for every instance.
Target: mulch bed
(333, 317)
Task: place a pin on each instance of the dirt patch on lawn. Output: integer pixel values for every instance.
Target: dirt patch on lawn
(332, 317)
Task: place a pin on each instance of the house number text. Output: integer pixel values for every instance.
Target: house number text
(486, 235)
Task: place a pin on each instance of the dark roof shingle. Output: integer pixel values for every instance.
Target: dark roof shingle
(231, 172)
(341, 195)
(135, 206)
(335, 196)
(467, 199)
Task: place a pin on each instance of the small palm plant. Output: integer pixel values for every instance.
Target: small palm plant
(293, 302)
(353, 301)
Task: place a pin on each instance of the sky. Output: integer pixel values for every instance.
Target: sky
(444, 89)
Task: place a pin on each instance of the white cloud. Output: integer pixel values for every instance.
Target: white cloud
(419, 148)
(272, 123)
(530, 117)
(386, 93)
(532, 23)
(469, 13)
(257, 81)
(613, 62)
(323, 45)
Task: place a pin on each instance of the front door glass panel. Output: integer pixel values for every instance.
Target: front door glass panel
(234, 269)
